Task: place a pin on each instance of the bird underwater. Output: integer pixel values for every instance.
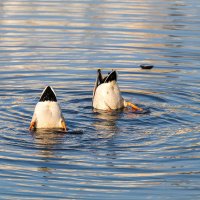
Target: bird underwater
(107, 95)
(47, 113)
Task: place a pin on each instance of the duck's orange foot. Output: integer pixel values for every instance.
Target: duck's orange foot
(32, 126)
(134, 107)
(64, 126)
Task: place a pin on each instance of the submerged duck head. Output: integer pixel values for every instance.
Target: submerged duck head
(106, 93)
(47, 113)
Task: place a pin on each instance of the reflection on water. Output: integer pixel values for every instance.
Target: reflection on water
(106, 123)
(110, 155)
(48, 138)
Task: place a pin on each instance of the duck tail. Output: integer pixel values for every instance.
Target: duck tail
(48, 94)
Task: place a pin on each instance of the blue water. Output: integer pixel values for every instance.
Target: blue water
(116, 155)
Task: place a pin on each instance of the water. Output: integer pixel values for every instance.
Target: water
(117, 155)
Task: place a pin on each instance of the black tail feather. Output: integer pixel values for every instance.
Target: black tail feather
(48, 95)
(99, 77)
(111, 77)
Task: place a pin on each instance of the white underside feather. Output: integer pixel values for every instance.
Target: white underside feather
(108, 96)
(48, 115)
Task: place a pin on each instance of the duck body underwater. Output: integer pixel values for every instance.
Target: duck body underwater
(107, 95)
(47, 113)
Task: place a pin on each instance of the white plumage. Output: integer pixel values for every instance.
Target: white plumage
(107, 95)
(47, 113)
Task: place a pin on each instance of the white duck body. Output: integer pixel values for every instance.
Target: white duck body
(107, 95)
(47, 113)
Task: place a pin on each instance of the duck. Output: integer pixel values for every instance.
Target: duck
(107, 95)
(47, 113)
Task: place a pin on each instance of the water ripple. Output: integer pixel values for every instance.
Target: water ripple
(110, 155)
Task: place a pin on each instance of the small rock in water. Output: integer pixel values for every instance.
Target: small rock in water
(146, 66)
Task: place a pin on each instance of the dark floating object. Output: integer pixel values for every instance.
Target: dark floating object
(76, 131)
(144, 111)
(146, 66)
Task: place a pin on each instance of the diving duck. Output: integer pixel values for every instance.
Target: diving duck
(107, 95)
(47, 113)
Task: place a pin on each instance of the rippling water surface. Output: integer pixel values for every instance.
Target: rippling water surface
(116, 155)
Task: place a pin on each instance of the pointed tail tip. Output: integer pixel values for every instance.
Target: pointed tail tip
(112, 76)
(48, 94)
(49, 87)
